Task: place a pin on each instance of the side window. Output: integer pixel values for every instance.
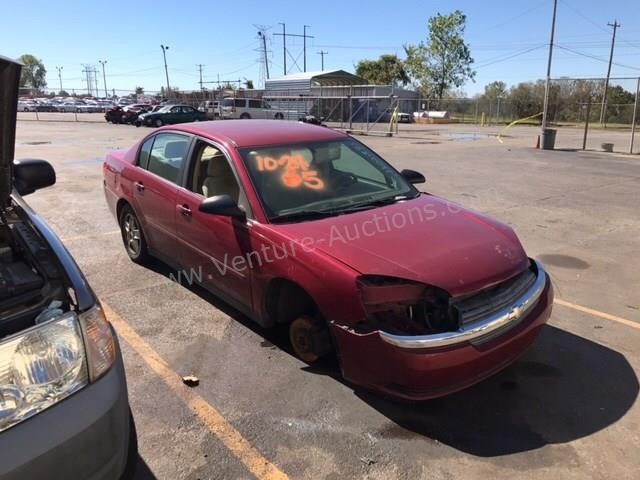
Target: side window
(175, 109)
(255, 104)
(145, 151)
(187, 110)
(240, 102)
(211, 174)
(167, 155)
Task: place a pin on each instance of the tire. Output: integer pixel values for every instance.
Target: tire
(279, 116)
(245, 116)
(25, 109)
(132, 236)
(309, 338)
(138, 123)
(158, 122)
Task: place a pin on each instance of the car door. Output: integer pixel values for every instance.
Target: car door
(214, 249)
(155, 185)
(188, 114)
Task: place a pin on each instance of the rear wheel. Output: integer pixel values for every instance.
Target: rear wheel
(158, 122)
(279, 116)
(245, 116)
(132, 236)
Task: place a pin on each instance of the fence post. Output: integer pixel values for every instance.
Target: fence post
(635, 114)
(586, 125)
(350, 112)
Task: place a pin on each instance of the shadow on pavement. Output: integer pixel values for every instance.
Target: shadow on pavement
(564, 388)
(142, 471)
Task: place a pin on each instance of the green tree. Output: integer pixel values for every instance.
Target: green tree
(248, 84)
(444, 62)
(387, 70)
(33, 72)
(495, 90)
(63, 93)
(139, 91)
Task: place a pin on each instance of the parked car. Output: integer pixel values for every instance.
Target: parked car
(301, 225)
(118, 114)
(211, 108)
(137, 107)
(64, 411)
(26, 106)
(170, 114)
(247, 108)
(71, 106)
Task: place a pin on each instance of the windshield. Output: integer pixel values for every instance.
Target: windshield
(322, 177)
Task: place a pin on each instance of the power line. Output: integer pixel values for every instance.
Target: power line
(501, 59)
(600, 59)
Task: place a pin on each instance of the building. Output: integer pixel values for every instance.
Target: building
(334, 95)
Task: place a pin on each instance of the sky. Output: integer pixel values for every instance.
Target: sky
(508, 39)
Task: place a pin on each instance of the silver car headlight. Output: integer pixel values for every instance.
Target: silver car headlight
(48, 362)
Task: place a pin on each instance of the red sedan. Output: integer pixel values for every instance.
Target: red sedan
(302, 225)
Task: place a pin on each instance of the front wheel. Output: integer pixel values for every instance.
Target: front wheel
(158, 123)
(245, 116)
(279, 116)
(309, 338)
(133, 236)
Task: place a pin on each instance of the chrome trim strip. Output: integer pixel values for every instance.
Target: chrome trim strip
(474, 331)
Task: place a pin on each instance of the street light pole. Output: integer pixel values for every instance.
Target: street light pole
(104, 77)
(166, 70)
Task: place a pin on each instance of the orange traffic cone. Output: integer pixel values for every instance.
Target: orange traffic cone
(537, 142)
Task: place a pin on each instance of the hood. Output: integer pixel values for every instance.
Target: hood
(427, 239)
(9, 87)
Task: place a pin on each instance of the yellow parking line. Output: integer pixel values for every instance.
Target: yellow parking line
(597, 313)
(215, 422)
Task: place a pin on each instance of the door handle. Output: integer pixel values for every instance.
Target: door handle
(185, 210)
(139, 186)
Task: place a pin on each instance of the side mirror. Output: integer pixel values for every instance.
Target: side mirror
(412, 176)
(32, 174)
(221, 205)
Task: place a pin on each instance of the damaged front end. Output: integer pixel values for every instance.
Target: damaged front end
(418, 342)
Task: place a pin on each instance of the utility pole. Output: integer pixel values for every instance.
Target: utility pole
(104, 77)
(59, 69)
(304, 46)
(545, 111)
(87, 72)
(262, 35)
(284, 46)
(603, 109)
(166, 70)
(95, 78)
(284, 36)
(322, 53)
(199, 65)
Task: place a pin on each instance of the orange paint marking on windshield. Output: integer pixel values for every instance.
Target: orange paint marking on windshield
(296, 171)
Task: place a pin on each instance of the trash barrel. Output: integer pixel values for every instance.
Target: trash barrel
(548, 138)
